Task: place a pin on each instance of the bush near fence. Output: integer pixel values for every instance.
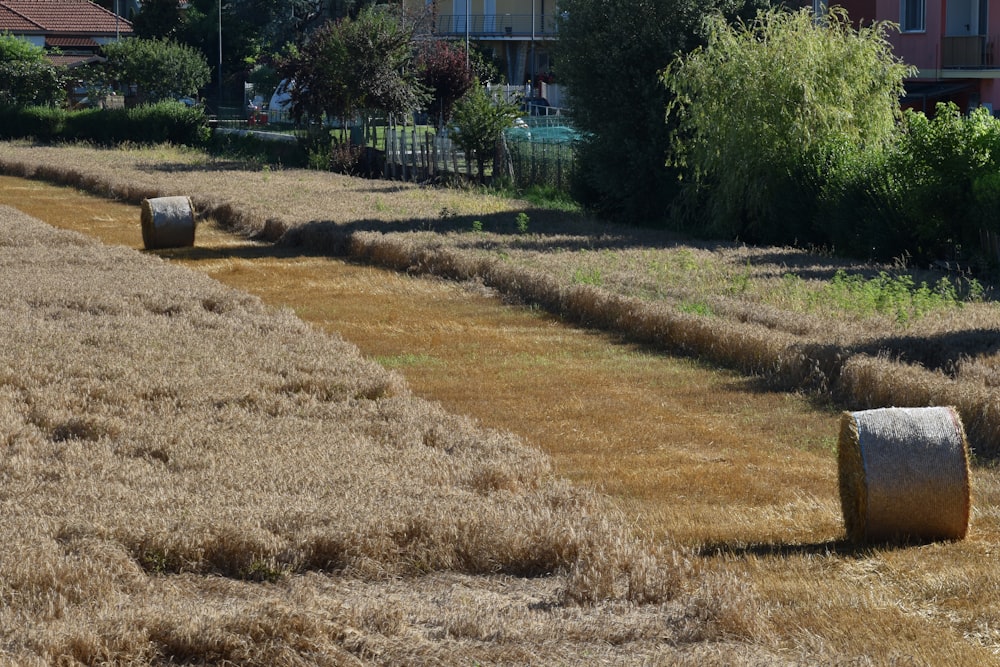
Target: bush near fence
(40, 123)
(542, 163)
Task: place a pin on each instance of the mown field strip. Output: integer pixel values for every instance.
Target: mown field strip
(744, 474)
(682, 444)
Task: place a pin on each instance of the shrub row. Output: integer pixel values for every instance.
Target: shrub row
(929, 195)
(933, 195)
(162, 122)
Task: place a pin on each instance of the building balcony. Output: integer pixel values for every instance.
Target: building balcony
(495, 26)
(967, 52)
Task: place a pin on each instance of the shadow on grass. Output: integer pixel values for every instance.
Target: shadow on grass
(551, 231)
(249, 251)
(842, 548)
(214, 166)
(940, 352)
(544, 230)
(777, 549)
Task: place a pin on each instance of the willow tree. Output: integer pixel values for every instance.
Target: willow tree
(768, 107)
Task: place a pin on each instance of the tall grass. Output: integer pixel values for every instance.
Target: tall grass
(897, 297)
(172, 446)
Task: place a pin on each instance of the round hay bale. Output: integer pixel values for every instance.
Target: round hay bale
(904, 474)
(167, 222)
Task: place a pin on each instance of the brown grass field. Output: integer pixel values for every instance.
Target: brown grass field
(179, 476)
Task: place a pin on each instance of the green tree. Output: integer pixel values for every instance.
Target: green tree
(380, 46)
(768, 107)
(609, 55)
(341, 9)
(350, 66)
(485, 63)
(252, 31)
(269, 25)
(949, 165)
(26, 76)
(199, 29)
(158, 19)
(477, 121)
(15, 49)
(249, 29)
(317, 72)
(159, 69)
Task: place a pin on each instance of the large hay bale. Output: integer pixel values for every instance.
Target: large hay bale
(904, 474)
(167, 222)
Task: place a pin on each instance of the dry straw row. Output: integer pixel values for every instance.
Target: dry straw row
(780, 358)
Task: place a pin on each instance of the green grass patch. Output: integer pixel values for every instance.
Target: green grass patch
(695, 308)
(899, 297)
(588, 277)
(549, 197)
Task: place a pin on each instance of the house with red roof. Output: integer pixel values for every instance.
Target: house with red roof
(73, 30)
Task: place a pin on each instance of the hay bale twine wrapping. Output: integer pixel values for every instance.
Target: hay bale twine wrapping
(167, 222)
(904, 473)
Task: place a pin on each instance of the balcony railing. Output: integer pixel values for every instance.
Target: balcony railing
(967, 51)
(495, 25)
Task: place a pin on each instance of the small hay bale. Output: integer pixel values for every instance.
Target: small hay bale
(904, 474)
(167, 222)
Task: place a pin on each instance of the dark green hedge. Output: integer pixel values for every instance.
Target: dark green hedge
(41, 123)
(162, 122)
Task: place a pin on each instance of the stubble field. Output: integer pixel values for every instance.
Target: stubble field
(735, 481)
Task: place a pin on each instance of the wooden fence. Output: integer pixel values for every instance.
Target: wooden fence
(410, 156)
(421, 153)
(413, 156)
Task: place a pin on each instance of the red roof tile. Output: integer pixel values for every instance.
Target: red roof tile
(12, 21)
(63, 16)
(63, 60)
(71, 42)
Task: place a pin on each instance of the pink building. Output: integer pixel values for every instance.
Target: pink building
(955, 44)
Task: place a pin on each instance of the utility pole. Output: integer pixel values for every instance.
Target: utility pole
(532, 70)
(219, 105)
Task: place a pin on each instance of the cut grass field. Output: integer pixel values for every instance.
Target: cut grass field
(740, 476)
(190, 476)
